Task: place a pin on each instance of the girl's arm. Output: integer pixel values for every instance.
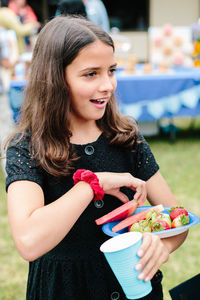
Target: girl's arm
(38, 228)
(155, 251)
(159, 192)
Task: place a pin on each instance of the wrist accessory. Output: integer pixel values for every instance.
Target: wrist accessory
(92, 179)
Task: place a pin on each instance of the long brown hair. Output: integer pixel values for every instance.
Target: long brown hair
(46, 108)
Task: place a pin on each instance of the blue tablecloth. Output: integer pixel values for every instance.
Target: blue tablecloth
(150, 97)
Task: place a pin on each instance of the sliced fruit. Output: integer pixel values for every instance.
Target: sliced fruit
(142, 226)
(134, 227)
(136, 218)
(119, 213)
(152, 214)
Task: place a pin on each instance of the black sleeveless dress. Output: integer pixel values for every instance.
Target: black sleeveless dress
(76, 269)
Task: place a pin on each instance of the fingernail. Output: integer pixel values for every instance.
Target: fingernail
(140, 252)
(141, 276)
(138, 266)
(147, 279)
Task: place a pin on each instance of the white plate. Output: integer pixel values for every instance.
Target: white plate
(194, 219)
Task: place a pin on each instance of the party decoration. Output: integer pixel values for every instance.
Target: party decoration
(171, 46)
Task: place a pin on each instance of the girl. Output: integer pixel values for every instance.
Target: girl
(70, 122)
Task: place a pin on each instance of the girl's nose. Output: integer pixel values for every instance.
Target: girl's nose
(108, 84)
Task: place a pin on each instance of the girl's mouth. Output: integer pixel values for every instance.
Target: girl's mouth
(97, 101)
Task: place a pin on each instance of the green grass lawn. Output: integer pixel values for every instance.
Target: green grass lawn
(13, 268)
(179, 164)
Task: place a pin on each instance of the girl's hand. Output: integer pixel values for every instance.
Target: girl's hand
(153, 254)
(112, 182)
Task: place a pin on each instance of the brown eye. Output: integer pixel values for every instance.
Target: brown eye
(90, 74)
(112, 70)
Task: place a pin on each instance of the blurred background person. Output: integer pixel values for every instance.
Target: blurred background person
(9, 20)
(97, 13)
(25, 14)
(7, 62)
(71, 7)
(23, 11)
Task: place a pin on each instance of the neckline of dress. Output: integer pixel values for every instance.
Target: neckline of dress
(91, 143)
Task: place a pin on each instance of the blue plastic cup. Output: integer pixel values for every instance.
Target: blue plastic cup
(121, 253)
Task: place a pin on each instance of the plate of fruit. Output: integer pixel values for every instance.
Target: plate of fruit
(161, 220)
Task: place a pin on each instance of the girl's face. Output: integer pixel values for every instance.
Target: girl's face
(91, 82)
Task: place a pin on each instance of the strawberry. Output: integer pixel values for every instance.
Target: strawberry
(177, 211)
(164, 217)
(181, 220)
(160, 225)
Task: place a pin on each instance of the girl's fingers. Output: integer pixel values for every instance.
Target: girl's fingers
(121, 196)
(151, 266)
(140, 198)
(141, 192)
(146, 245)
(111, 182)
(153, 255)
(147, 277)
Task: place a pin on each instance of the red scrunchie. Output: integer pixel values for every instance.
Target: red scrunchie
(92, 179)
